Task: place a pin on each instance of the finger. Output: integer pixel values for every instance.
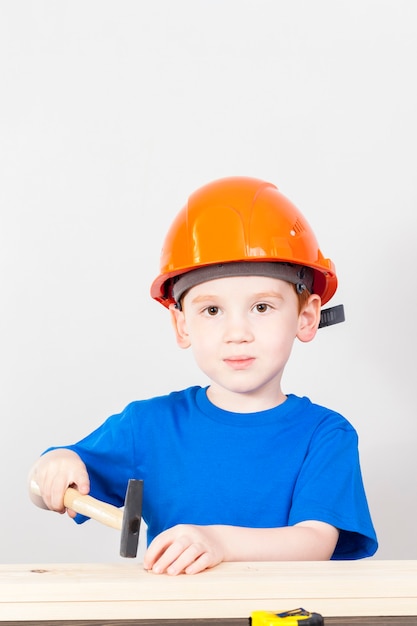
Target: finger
(57, 490)
(186, 562)
(203, 562)
(81, 480)
(176, 560)
(168, 556)
(52, 495)
(60, 484)
(157, 547)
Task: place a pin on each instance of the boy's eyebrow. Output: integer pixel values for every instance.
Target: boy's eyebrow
(267, 294)
(255, 296)
(203, 298)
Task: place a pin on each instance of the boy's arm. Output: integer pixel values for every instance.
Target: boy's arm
(54, 472)
(191, 549)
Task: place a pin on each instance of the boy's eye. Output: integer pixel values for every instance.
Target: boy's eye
(212, 310)
(261, 307)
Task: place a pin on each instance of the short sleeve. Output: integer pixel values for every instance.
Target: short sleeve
(107, 453)
(330, 488)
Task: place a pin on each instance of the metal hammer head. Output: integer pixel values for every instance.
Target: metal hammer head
(131, 519)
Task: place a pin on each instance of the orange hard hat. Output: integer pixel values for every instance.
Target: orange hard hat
(240, 219)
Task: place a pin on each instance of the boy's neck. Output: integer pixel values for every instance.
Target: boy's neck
(244, 402)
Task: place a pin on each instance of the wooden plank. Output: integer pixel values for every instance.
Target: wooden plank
(192, 611)
(330, 621)
(231, 590)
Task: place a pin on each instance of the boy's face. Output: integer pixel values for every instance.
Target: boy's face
(242, 330)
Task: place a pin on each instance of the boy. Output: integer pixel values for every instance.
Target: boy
(238, 471)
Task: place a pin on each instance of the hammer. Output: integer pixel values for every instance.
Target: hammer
(127, 520)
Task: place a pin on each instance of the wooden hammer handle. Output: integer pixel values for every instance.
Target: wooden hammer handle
(90, 507)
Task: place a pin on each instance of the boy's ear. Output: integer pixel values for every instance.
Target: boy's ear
(179, 325)
(309, 319)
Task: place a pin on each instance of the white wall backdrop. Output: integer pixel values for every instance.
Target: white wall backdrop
(111, 113)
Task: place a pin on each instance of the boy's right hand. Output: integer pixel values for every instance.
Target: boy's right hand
(54, 472)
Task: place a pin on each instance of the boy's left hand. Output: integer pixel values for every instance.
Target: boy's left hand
(184, 549)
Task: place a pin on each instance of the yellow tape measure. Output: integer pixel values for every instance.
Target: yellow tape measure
(288, 618)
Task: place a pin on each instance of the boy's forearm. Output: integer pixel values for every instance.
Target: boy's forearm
(307, 541)
(192, 548)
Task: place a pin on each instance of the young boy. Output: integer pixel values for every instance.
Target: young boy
(240, 470)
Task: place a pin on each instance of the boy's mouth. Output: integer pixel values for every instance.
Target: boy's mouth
(239, 362)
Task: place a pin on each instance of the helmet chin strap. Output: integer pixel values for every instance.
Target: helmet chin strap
(332, 315)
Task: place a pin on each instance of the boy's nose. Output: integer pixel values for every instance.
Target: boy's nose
(238, 329)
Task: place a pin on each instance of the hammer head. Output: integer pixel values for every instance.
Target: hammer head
(131, 519)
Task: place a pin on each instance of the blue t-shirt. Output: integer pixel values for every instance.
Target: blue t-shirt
(203, 465)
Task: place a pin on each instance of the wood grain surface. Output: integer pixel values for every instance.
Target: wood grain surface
(117, 593)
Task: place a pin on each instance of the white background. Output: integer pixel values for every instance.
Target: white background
(111, 114)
